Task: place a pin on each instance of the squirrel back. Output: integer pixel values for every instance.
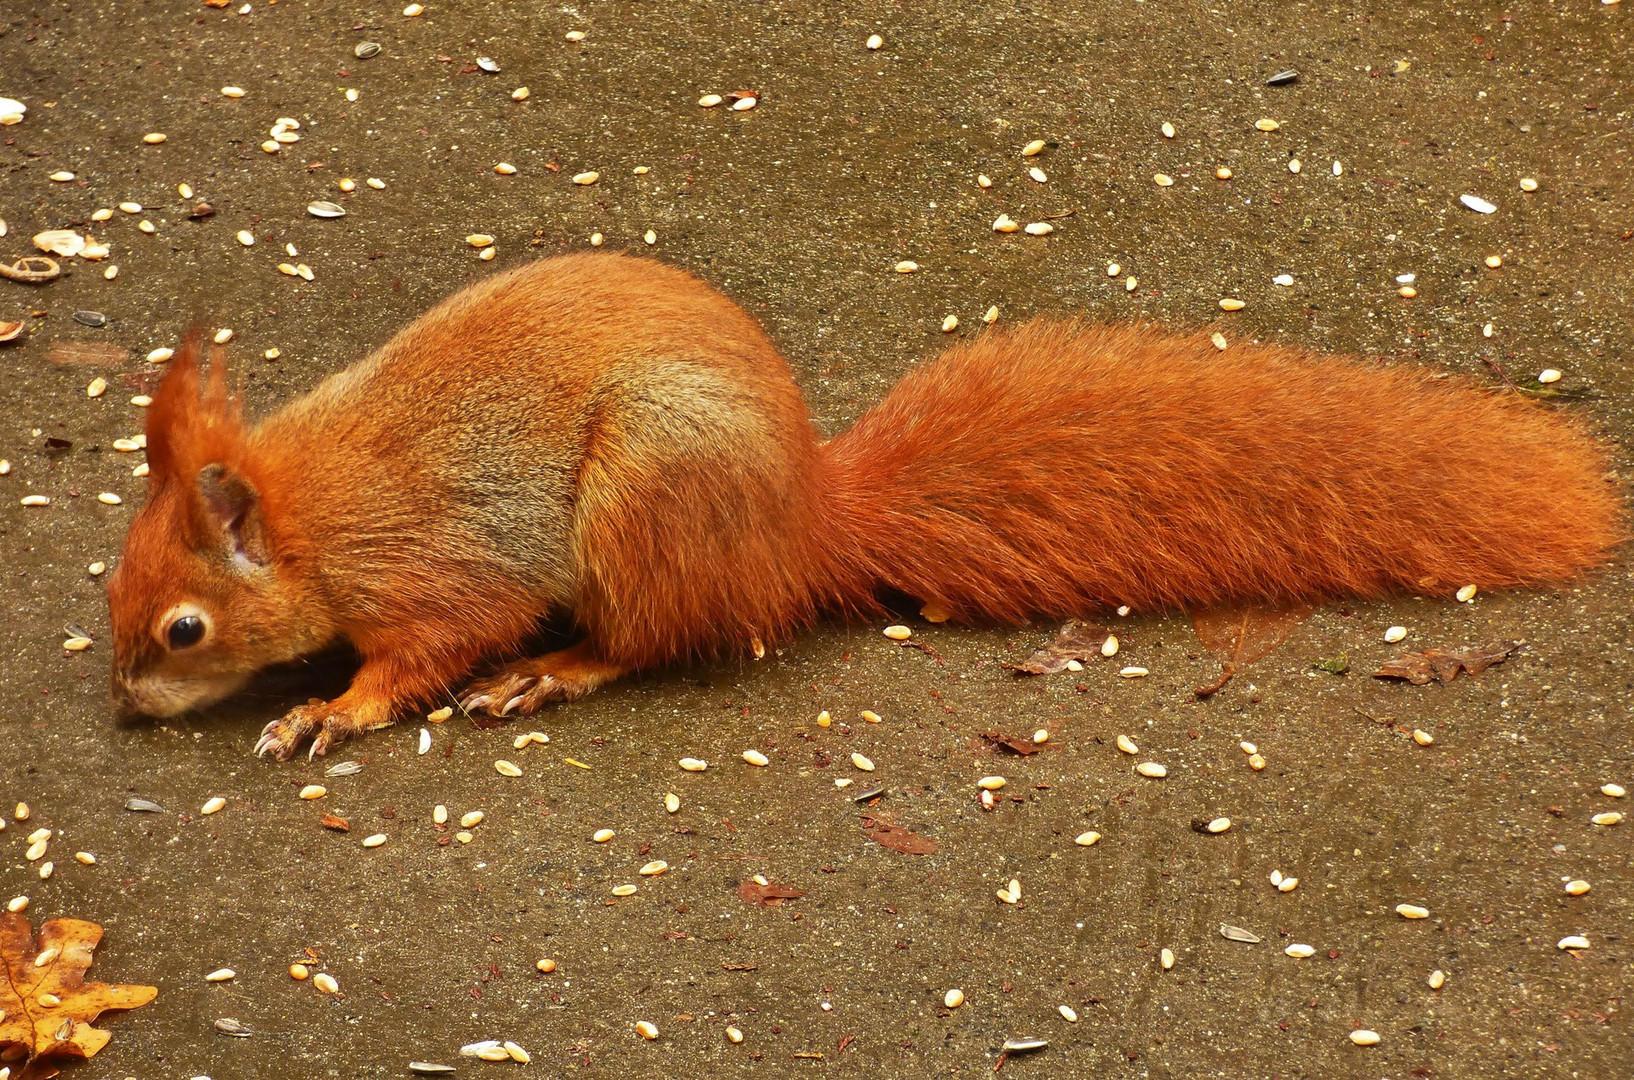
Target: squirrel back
(611, 438)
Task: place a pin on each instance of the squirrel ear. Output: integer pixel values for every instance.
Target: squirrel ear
(234, 506)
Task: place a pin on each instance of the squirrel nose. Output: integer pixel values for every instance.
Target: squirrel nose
(124, 702)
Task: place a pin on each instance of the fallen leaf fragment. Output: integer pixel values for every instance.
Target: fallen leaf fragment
(1076, 641)
(1443, 665)
(899, 839)
(336, 822)
(1020, 744)
(771, 895)
(45, 1035)
(1241, 635)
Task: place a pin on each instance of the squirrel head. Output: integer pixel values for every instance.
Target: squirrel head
(196, 604)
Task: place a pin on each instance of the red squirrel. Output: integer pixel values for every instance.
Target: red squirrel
(610, 438)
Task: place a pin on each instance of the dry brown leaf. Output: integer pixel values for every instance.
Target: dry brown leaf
(771, 895)
(1443, 665)
(1076, 641)
(336, 822)
(1240, 635)
(87, 354)
(49, 1033)
(1014, 743)
(897, 838)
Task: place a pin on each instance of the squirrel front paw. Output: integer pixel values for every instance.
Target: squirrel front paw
(524, 686)
(322, 722)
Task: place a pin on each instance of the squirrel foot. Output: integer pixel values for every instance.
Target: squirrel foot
(320, 721)
(523, 686)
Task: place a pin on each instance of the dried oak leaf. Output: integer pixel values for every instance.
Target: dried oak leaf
(897, 838)
(1443, 665)
(1076, 641)
(773, 895)
(47, 1033)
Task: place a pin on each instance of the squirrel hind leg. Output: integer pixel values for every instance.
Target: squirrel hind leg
(523, 686)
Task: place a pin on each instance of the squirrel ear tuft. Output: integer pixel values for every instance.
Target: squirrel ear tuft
(189, 422)
(233, 506)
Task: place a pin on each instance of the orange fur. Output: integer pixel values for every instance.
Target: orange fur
(609, 437)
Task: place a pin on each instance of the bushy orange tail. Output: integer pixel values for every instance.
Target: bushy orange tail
(1059, 468)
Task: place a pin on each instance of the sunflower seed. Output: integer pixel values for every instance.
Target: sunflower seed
(323, 208)
(866, 793)
(429, 1068)
(1282, 78)
(1237, 933)
(228, 1025)
(654, 868)
(488, 64)
(478, 1048)
(1023, 1046)
(344, 768)
(141, 806)
(1477, 204)
(624, 890)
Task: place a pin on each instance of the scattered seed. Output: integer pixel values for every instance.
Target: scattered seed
(755, 757)
(22, 812)
(1486, 331)
(1422, 737)
(862, 763)
(376, 183)
(36, 500)
(692, 764)
(1237, 933)
(1613, 791)
(1222, 173)
(586, 178)
(1577, 887)
(77, 644)
(1300, 952)
(1152, 769)
(1039, 228)
(672, 803)
(1163, 180)
(1038, 174)
(441, 714)
(1528, 184)
(1364, 1037)
(314, 791)
(991, 783)
(139, 805)
(870, 716)
(154, 138)
(1575, 941)
(1477, 204)
(220, 975)
(213, 806)
(489, 64)
(374, 841)
(744, 104)
(1041, 735)
(424, 746)
(1288, 884)
(429, 1068)
(1023, 1046)
(1395, 634)
(991, 315)
(1412, 911)
(1218, 825)
(950, 324)
(1127, 745)
(1407, 292)
(1231, 303)
(1609, 818)
(507, 768)
(108, 498)
(1293, 166)
(649, 238)
(1466, 594)
(1265, 123)
(1548, 375)
(1087, 839)
(983, 180)
(16, 904)
(1004, 223)
(49, 1001)
(472, 819)
(1133, 672)
(709, 101)
(953, 998)
(898, 633)
(1282, 77)
(326, 983)
(223, 336)
(907, 266)
(647, 1028)
(412, 10)
(733, 1035)
(1166, 958)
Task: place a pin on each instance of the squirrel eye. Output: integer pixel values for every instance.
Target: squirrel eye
(185, 631)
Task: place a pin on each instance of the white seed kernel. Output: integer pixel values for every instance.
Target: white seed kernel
(692, 764)
(1574, 941)
(1087, 839)
(1412, 911)
(1611, 817)
(507, 768)
(1152, 769)
(1133, 672)
(1127, 745)
(953, 998)
(1166, 958)
(1613, 791)
(991, 783)
(374, 841)
(862, 763)
(1395, 634)
(220, 975)
(1364, 1037)
(672, 803)
(1299, 951)
(314, 791)
(472, 819)
(326, 983)
(647, 1029)
(1577, 887)
(1437, 979)
(755, 757)
(1219, 825)
(213, 805)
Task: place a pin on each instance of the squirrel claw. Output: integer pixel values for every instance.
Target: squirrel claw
(284, 736)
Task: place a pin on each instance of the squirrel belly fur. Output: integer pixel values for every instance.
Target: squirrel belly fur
(610, 438)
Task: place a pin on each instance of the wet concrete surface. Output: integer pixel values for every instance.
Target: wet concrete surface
(799, 208)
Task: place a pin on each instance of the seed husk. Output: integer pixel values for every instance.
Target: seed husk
(326, 983)
(1412, 911)
(1127, 745)
(1477, 204)
(1237, 933)
(323, 208)
(139, 805)
(488, 64)
(654, 868)
(429, 1068)
(862, 763)
(1023, 1045)
(1282, 77)
(1364, 1037)
(507, 768)
(1152, 769)
(692, 764)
